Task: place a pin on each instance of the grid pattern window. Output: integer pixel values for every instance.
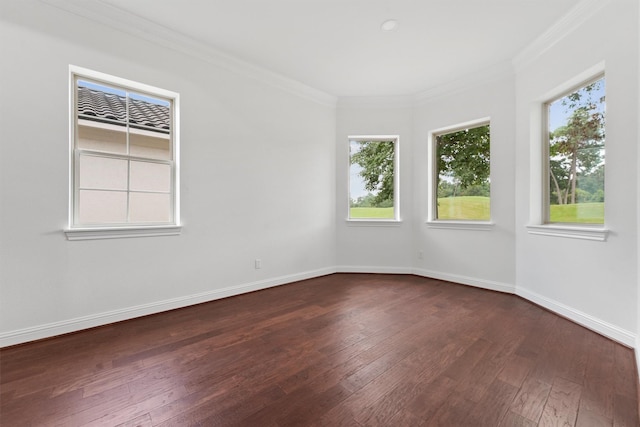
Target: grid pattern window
(575, 142)
(373, 180)
(124, 168)
(462, 166)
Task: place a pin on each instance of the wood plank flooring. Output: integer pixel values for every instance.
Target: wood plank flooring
(339, 350)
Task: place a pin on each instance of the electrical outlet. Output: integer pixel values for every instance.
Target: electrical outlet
(258, 263)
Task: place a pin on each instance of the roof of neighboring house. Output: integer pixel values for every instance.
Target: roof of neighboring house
(111, 108)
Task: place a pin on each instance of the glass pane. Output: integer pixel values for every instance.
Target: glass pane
(101, 137)
(152, 145)
(150, 126)
(463, 162)
(103, 173)
(371, 183)
(149, 207)
(102, 207)
(577, 155)
(146, 176)
(101, 112)
(469, 208)
(150, 113)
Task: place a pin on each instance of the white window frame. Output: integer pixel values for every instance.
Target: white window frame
(432, 192)
(77, 231)
(539, 166)
(396, 220)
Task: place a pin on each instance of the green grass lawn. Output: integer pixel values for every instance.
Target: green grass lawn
(478, 208)
(465, 208)
(382, 213)
(584, 213)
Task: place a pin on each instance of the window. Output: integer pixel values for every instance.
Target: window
(124, 155)
(461, 173)
(373, 177)
(575, 146)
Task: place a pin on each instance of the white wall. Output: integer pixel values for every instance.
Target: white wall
(477, 257)
(264, 175)
(258, 181)
(384, 248)
(595, 283)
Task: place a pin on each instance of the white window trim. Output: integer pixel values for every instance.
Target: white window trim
(84, 232)
(539, 166)
(598, 234)
(396, 220)
(432, 221)
(121, 232)
(374, 222)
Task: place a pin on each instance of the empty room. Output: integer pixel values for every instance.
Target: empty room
(319, 212)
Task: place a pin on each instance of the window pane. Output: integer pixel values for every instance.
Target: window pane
(371, 192)
(97, 207)
(101, 113)
(463, 162)
(149, 207)
(146, 176)
(102, 137)
(124, 153)
(103, 173)
(150, 126)
(149, 112)
(577, 155)
(150, 146)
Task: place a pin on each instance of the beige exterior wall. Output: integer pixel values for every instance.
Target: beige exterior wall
(112, 188)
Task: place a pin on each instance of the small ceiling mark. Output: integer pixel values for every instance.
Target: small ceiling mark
(389, 25)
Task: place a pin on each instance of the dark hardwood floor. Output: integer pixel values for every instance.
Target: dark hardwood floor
(339, 350)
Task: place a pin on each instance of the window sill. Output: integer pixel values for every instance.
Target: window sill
(598, 234)
(373, 222)
(121, 232)
(462, 225)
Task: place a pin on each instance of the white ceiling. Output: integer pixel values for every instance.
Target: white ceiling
(337, 46)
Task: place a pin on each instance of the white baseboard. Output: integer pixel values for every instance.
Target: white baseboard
(372, 269)
(77, 324)
(603, 328)
(616, 333)
(464, 280)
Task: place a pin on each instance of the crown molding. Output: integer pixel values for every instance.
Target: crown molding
(562, 28)
(137, 26)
